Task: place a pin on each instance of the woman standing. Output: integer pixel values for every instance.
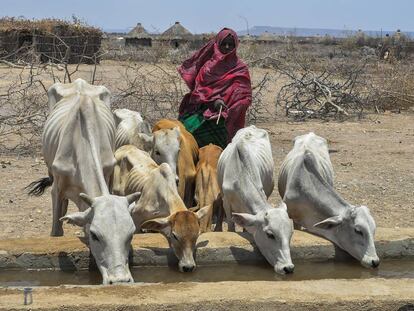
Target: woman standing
(220, 91)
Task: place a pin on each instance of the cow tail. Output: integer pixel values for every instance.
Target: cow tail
(37, 188)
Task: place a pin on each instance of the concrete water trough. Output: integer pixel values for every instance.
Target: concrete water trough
(69, 253)
(231, 275)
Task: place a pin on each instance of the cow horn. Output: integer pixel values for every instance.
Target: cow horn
(133, 197)
(86, 198)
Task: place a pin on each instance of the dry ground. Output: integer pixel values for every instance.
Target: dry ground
(373, 162)
(350, 295)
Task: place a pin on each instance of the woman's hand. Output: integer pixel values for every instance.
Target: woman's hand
(219, 103)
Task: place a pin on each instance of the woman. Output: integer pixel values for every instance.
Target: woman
(220, 91)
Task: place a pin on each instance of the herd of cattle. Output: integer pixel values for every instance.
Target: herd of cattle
(126, 178)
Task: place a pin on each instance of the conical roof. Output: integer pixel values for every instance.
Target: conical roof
(176, 31)
(138, 32)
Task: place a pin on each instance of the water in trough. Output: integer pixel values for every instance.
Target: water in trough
(303, 271)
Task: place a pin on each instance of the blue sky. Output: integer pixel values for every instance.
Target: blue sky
(212, 15)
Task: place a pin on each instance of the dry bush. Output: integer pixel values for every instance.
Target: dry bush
(152, 89)
(23, 111)
(331, 92)
(391, 86)
(306, 83)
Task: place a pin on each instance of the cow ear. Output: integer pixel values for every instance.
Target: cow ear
(157, 224)
(203, 212)
(86, 198)
(79, 218)
(245, 220)
(133, 197)
(329, 223)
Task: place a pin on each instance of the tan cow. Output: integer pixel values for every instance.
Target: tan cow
(187, 159)
(159, 208)
(206, 186)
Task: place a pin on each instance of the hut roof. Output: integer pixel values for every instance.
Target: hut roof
(10, 24)
(266, 36)
(247, 38)
(138, 32)
(176, 31)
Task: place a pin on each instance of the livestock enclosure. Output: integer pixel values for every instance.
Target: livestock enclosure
(48, 41)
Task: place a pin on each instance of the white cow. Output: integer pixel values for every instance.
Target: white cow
(163, 145)
(166, 148)
(245, 175)
(306, 186)
(77, 145)
(131, 129)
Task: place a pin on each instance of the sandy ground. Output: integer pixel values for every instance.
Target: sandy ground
(378, 294)
(373, 162)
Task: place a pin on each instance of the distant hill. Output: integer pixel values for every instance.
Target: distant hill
(302, 32)
(314, 32)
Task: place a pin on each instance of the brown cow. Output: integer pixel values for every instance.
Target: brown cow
(206, 187)
(187, 159)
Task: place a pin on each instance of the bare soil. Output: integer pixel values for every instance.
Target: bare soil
(371, 294)
(373, 162)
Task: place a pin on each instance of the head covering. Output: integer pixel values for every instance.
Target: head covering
(212, 75)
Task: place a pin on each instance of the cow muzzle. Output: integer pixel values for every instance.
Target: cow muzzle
(118, 275)
(284, 268)
(186, 265)
(370, 261)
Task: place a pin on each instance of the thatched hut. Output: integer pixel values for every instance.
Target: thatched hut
(247, 39)
(138, 36)
(176, 35)
(267, 38)
(49, 40)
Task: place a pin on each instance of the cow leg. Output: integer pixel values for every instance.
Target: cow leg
(205, 223)
(227, 208)
(219, 212)
(59, 206)
(189, 191)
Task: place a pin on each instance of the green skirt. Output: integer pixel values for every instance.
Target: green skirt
(205, 131)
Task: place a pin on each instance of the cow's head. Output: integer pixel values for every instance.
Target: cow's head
(111, 229)
(354, 233)
(182, 229)
(272, 231)
(166, 147)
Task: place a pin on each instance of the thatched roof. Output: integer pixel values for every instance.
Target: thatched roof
(138, 32)
(266, 36)
(247, 38)
(176, 31)
(11, 24)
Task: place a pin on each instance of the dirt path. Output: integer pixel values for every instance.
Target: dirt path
(373, 162)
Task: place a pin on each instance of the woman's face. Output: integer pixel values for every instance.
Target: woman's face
(227, 45)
